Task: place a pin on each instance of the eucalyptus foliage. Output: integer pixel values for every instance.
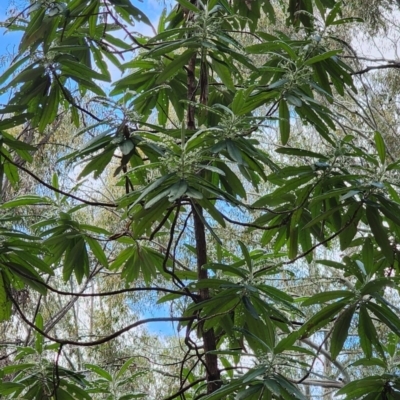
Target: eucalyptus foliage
(183, 134)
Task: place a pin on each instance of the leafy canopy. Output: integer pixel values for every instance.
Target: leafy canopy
(184, 134)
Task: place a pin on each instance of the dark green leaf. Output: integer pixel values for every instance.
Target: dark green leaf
(340, 331)
(380, 146)
(322, 56)
(379, 232)
(284, 121)
(327, 296)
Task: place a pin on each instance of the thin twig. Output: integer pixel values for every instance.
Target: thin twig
(54, 189)
(99, 341)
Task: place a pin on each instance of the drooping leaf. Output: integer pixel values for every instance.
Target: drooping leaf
(341, 330)
(379, 232)
(380, 146)
(284, 121)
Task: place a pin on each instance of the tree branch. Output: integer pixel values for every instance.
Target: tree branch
(337, 364)
(99, 341)
(54, 189)
(372, 68)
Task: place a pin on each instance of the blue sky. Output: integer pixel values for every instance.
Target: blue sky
(9, 41)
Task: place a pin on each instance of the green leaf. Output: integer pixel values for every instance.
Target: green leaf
(124, 367)
(131, 10)
(98, 163)
(317, 321)
(159, 196)
(29, 276)
(174, 66)
(322, 56)
(385, 315)
(377, 285)
(293, 243)
(358, 388)
(228, 268)
(350, 221)
(26, 200)
(15, 144)
(74, 389)
(275, 293)
(225, 74)
(392, 344)
(379, 232)
(234, 151)
(340, 331)
(27, 75)
(99, 371)
(300, 153)
(224, 391)
(39, 339)
(333, 13)
(97, 251)
(342, 21)
(158, 182)
(50, 108)
(167, 47)
(323, 217)
(10, 369)
(249, 307)
(327, 296)
(188, 5)
(246, 255)
(8, 388)
(6, 74)
(284, 121)
(380, 146)
(5, 302)
(84, 82)
(212, 210)
(177, 190)
(366, 332)
(75, 260)
(369, 362)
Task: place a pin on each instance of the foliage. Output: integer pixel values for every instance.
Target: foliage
(183, 136)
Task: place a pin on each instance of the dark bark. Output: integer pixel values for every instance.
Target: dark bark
(213, 373)
(191, 91)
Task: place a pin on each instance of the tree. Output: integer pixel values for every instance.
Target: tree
(182, 140)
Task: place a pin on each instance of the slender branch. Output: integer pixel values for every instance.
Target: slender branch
(54, 189)
(357, 57)
(250, 225)
(99, 341)
(61, 313)
(103, 294)
(168, 250)
(327, 355)
(56, 371)
(319, 349)
(312, 248)
(115, 292)
(161, 224)
(36, 312)
(372, 68)
(328, 239)
(71, 100)
(184, 389)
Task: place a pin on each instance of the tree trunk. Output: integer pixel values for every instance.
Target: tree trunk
(213, 373)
